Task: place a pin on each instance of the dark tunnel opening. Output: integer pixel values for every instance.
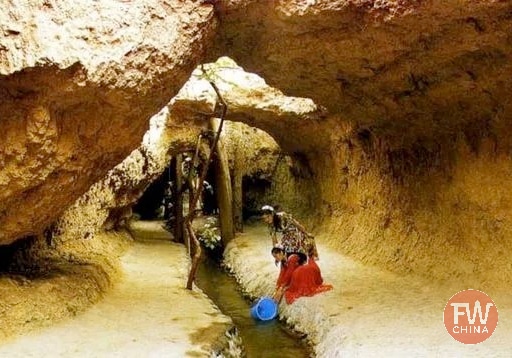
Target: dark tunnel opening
(159, 198)
(254, 189)
(149, 205)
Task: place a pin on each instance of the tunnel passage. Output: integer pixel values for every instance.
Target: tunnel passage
(149, 206)
(17, 257)
(410, 170)
(159, 199)
(390, 193)
(421, 81)
(254, 190)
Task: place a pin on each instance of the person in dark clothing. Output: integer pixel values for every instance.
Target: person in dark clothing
(168, 200)
(209, 203)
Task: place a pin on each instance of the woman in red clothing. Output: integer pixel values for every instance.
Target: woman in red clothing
(297, 279)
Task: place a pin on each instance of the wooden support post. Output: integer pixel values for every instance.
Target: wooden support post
(178, 205)
(238, 194)
(224, 193)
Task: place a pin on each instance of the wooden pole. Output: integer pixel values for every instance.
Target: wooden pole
(238, 195)
(178, 207)
(223, 191)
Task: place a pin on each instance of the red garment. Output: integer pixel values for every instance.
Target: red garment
(287, 268)
(301, 280)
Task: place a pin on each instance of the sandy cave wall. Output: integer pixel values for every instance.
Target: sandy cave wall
(78, 84)
(111, 199)
(440, 212)
(76, 259)
(47, 281)
(438, 209)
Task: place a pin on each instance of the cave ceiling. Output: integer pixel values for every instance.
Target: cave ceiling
(80, 80)
(406, 70)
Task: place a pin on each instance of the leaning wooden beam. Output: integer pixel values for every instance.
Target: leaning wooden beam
(197, 193)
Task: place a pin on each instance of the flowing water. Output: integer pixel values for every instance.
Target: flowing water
(261, 339)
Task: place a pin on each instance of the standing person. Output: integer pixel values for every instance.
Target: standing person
(297, 279)
(295, 239)
(209, 205)
(168, 200)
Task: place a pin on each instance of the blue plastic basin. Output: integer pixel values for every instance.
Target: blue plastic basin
(264, 309)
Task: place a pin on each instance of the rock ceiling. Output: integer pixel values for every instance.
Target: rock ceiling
(421, 68)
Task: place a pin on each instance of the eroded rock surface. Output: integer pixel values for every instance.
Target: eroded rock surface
(79, 82)
(408, 69)
(252, 101)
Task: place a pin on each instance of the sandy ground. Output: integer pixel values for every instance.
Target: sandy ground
(148, 314)
(370, 312)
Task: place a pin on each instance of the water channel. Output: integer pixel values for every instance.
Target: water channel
(261, 339)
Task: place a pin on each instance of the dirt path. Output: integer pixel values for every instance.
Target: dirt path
(370, 312)
(149, 314)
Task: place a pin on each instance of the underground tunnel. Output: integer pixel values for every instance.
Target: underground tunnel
(381, 126)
